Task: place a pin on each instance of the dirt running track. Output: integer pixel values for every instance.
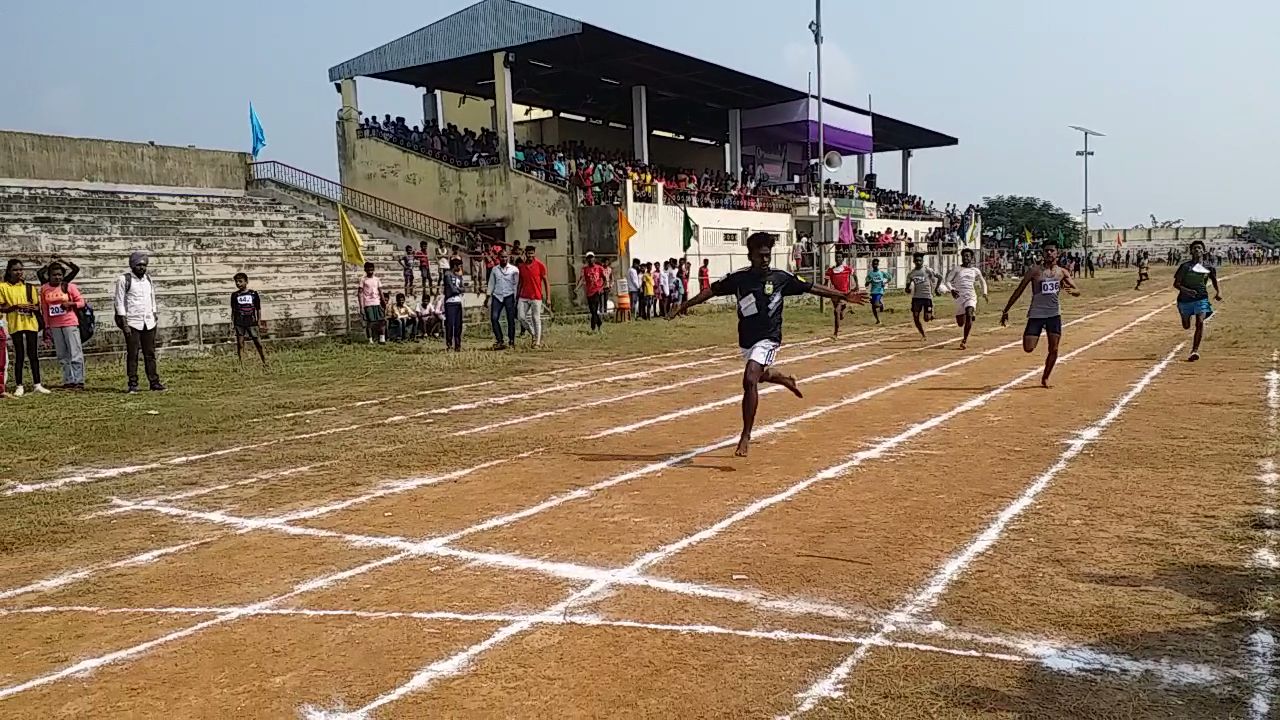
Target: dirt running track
(927, 534)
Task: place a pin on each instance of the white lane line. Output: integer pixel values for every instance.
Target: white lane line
(1262, 655)
(88, 665)
(67, 578)
(111, 473)
(503, 520)
(468, 386)
(459, 662)
(209, 489)
(649, 392)
(915, 604)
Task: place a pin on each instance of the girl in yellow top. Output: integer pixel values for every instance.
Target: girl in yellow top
(20, 303)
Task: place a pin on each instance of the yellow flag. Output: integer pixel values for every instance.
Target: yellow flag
(352, 244)
(625, 233)
(1027, 233)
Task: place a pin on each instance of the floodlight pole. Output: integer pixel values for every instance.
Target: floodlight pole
(816, 27)
(1086, 153)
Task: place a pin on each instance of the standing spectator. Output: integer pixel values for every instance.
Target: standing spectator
(634, 288)
(534, 293)
(593, 282)
(370, 294)
(504, 280)
(4, 352)
(704, 275)
(424, 265)
(664, 288)
(61, 302)
(609, 289)
(648, 299)
(451, 285)
(246, 316)
(135, 309)
(408, 263)
(20, 302)
(675, 283)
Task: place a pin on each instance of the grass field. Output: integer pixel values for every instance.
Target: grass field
(394, 532)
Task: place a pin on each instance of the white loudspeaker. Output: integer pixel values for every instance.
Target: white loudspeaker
(832, 161)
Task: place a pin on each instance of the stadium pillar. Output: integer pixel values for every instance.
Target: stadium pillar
(862, 168)
(348, 127)
(503, 116)
(640, 123)
(906, 171)
(431, 111)
(735, 144)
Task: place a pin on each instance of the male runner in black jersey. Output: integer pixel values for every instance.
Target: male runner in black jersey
(759, 291)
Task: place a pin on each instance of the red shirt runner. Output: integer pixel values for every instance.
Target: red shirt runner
(704, 279)
(532, 274)
(593, 279)
(839, 276)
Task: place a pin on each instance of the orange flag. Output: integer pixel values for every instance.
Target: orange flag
(625, 233)
(1119, 242)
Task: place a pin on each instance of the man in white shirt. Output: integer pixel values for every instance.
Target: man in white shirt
(633, 287)
(504, 281)
(964, 281)
(135, 310)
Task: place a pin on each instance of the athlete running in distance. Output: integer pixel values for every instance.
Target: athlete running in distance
(1144, 268)
(963, 281)
(843, 280)
(877, 279)
(1045, 314)
(1191, 280)
(759, 291)
(922, 284)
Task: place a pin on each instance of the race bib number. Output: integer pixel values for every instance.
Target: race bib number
(245, 300)
(56, 310)
(1049, 287)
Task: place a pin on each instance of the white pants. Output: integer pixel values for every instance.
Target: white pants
(763, 352)
(531, 317)
(965, 301)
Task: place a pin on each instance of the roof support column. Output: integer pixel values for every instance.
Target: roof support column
(906, 171)
(504, 121)
(735, 144)
(862, 168)
(348, 124)
(640, 122)
(431, 110)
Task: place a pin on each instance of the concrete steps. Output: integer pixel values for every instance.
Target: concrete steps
(197, 243)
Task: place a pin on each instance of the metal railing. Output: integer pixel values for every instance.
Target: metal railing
(477, 159)
(330, 191)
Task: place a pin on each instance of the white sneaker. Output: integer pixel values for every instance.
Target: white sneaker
(40, 389)
(19, 392)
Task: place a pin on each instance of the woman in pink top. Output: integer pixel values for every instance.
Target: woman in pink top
(59, 302)
(370, 294)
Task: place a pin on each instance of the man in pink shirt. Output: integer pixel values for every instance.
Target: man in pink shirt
(370, 294)
(59, 301)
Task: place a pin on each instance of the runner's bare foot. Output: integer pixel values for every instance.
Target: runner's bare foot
(963, 346)
(1044, 383)
(742, 447)
(789, 382)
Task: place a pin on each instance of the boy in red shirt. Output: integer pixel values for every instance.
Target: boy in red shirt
(593, 282)
(842, 279)
(533, 294)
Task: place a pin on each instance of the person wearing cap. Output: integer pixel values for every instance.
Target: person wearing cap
(135, 312)
(593, 282)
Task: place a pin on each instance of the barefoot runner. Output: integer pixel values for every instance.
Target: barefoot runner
(843, 280)
(877, 279)
(1144, 269)
(759, 291)
(964, 281)
(922, 285)
(1191, 280)
(1045, 313)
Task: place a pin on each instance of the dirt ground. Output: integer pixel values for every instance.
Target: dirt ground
(926, 534)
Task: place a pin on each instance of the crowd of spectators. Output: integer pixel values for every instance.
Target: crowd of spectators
(599, 175)
(460, 148)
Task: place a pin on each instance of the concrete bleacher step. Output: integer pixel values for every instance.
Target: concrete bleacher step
(197, 243)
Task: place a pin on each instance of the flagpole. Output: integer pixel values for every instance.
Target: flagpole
(346, 299)
(822, 150)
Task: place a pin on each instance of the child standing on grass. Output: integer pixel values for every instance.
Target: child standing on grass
(452, 285)
(370, 294)
(246, 316)
(407, 264)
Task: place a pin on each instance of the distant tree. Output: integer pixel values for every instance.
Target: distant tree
(1266, 232)
(1006, 216)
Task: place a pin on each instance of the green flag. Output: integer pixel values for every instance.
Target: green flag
(689, 230)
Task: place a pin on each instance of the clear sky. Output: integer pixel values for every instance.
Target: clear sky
(1185, 90)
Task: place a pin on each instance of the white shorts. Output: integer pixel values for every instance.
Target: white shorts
(763, 352)
(963, 302)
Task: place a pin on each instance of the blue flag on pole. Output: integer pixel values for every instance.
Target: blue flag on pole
(255, 127)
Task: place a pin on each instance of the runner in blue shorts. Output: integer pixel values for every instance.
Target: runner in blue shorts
(1045, 314)
(1191, 280)
(877, 279)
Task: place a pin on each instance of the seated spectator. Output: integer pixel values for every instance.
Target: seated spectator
(430, 315)
(400, 320)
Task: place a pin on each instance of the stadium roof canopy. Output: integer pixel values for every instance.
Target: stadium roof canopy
(567, 65)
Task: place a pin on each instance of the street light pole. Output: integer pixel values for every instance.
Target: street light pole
(1086, 153)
